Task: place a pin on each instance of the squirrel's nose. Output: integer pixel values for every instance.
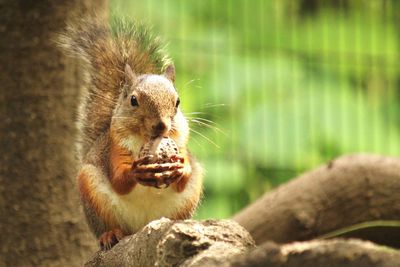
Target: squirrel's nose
(159, 128)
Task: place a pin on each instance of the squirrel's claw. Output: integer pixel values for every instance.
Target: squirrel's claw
(142, 161)
(175, 176)
(158, 179)
(109, 239)
(159, 175)
(158, 168)
(177, 158)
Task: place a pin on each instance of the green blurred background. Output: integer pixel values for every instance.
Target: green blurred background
(277, 87)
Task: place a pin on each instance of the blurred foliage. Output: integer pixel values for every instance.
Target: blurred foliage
(276, 87)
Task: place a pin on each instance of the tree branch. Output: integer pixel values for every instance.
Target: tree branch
(319, 253)
(346, 191)
(177, 243)
(224, 243)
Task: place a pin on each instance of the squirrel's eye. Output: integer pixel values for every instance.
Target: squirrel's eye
(177, 102)
(134, 101)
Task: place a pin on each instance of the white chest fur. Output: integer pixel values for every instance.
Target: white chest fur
(144, 204)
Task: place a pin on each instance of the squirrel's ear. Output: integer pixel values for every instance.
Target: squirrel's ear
(169, 72)
(130, 77)
(129, 74)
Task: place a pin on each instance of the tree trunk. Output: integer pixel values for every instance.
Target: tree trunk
(40, 222)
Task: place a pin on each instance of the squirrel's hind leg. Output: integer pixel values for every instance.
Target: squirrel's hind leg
(100, 217)
(109, 239)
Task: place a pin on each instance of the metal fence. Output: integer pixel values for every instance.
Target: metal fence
(274, 88)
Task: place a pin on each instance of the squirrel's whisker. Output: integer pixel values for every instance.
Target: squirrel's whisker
(206, 121)
(191, 81)
(210, 126)
(205, 137)
(196, 113)
(186, 85)
(203, 119)
(197, 142)
(208, 106)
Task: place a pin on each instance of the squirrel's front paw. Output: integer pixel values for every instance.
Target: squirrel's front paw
(159, 175)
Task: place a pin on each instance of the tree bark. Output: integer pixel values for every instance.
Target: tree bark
(40, 220)
(224, 243)
(178, 243)
(346, 191)
(318, 253)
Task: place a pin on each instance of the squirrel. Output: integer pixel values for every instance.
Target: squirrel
(129, 99)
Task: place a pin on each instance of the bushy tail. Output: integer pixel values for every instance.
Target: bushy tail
(104, 50)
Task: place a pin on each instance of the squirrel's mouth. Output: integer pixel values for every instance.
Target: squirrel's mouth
(155, 136)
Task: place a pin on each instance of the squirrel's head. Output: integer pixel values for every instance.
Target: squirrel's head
(148, 108)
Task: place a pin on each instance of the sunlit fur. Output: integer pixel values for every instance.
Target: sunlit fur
(132, 211)
(131, 127)
(103, 51)
(157, 97)
(107, 118)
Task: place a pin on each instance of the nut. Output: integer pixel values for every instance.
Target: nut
(162, 148)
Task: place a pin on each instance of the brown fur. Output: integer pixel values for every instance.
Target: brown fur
(157, 103)
(180, 185)
(118, 66)
(110, 238)
(120, 166)
(104, 55)
(90, 195)
(187, 211)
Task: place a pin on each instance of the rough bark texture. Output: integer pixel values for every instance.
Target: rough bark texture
(40, 222)
(344, 192)
(319, 253)
(225, 244)
(178, 243)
